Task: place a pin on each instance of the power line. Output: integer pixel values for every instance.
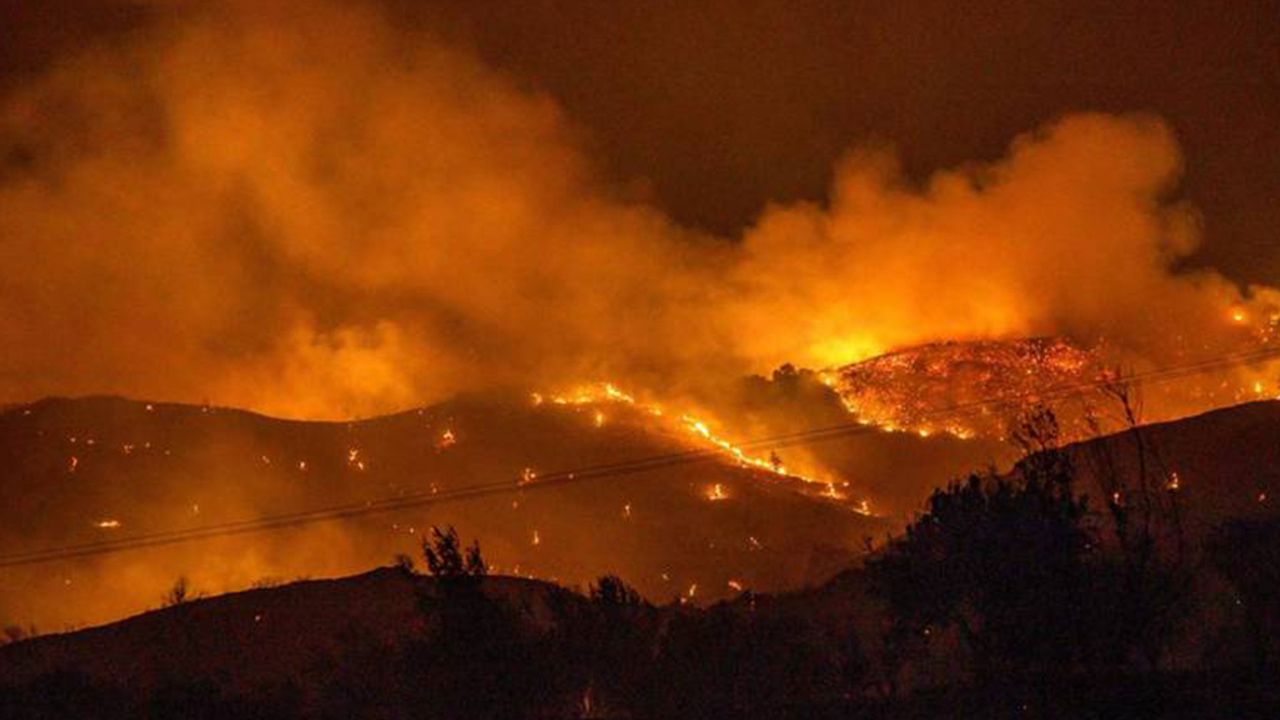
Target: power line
(595, 472)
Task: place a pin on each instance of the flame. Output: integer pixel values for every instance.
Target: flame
(353, 460)
(688, 425)
(917, 389)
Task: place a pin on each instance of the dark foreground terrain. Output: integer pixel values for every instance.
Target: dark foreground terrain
(391, 644)
(1133, 576)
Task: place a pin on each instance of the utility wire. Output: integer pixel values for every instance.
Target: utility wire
(595, 472)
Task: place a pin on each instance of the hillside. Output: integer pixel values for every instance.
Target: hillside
(88, 470)
(1221, 464)
(285, 630)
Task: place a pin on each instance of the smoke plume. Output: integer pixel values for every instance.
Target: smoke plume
(320, 214)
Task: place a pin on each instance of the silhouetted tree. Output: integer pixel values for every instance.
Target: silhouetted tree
(446, 559)
(620, 646)
(481, 656)
(611, 594)
(1149, 573)
(997, 559)
(1014, 566)
(178, 594)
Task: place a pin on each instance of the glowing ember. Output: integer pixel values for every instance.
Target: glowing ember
(353, 460)
(527, 476)
(447, 439)
(716, 493)
(108, 524)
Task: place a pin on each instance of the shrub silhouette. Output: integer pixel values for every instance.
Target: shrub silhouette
(1000, 560)
(178, 594)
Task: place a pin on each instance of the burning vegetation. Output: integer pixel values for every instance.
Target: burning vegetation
(965, 388)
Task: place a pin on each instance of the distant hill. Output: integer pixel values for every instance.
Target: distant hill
(78, 471)
(93, 469)
(1222, 464)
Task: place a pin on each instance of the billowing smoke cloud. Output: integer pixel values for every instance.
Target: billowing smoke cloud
(1069, 234)
(319, 214)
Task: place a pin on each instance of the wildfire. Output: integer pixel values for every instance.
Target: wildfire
(919, 389)
(685, 423)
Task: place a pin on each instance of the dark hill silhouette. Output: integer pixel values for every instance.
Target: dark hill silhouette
(258, 637)
(1226, 462)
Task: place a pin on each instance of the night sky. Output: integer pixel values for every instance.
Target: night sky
(712, 109)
